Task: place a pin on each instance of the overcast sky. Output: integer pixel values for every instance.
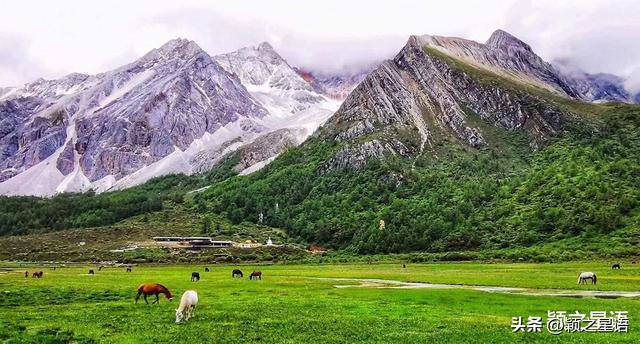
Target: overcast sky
(52, 38)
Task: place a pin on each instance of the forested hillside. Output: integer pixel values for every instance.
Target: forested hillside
(469, 199)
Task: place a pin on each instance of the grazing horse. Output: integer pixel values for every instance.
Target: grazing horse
(187, 308)
(582, 279)
(206, 269)
(235, 273)
(195, 276)
(37, 274)
(153, 289)
(615, 266)
(26, 274)
(100, 268)
(128, 269)
(91, 272)
(256, 275)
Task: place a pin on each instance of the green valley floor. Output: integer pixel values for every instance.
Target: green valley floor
(292, 305)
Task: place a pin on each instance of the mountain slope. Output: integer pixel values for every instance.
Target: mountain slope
(454, 153)
(440, 89)
(175, 110)
(290, 100)
(90, 131)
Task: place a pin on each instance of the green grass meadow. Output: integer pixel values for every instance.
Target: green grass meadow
(290, 306)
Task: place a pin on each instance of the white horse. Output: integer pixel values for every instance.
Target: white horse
(582, 279)
(187, 307)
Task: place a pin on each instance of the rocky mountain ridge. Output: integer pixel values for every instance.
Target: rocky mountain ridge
(174, 110)
(179, 110)
(440, 87)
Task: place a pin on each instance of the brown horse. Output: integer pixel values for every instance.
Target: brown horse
(153, 289)
(37, 274)
(256, 275)
(26, 274)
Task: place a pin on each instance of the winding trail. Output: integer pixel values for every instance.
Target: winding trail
(393, 284)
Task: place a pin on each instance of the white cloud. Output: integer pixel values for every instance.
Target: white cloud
(49, 39)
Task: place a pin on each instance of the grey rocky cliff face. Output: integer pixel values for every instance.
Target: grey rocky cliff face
(399, 107)
(26, 141)
(503, 53)
(195, 96)
(125, 119)
(174, 110)
(267, 146)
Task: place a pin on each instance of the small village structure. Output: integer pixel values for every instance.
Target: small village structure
(192, 242)
(197, 243)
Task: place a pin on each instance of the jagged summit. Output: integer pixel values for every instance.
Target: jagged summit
(445, 92)
(261, 65)
(504, 40)
(178, 50)
(504, 54)
(178, 43)
(265, 46)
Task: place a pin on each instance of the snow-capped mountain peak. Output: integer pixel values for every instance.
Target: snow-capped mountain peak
(262, 66)
(174, 110)
(82, 132)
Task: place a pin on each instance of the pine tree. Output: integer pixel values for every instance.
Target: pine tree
(206, 225)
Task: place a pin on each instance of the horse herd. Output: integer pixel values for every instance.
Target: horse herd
(257, 275)
(189, 299)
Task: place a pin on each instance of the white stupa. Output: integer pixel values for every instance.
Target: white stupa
(269, 242)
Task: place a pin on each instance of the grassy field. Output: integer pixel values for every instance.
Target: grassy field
(290, 306)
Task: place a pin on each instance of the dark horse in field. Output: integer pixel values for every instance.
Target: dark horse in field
(235, 273)
(153, 289)
(26, 274)
(128, 269)
(37, 274)
(256, 275)
(615, 266)
(206, 269)
(195, 276)
(91, 272)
